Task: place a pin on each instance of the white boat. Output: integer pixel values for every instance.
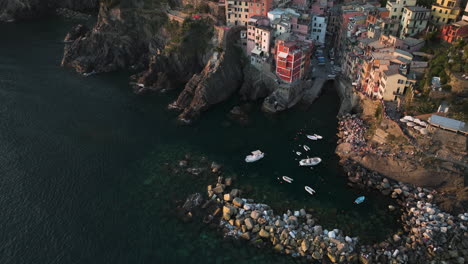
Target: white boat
(403, 120)
(256, 155)
(287, 179)
(306, 148)
(298, 153)
(310, 161)
(318, 136)
(309, 190)
(312, 137)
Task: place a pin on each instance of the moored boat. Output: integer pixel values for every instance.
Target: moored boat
(298, 153)
(312, 137)
(310, 161)
(287, 179)
(309, 190)
(256, 155)
(306, 148)
(359, 200)
(318, 136)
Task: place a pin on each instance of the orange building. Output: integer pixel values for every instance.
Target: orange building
(259, 7)
(455, 31)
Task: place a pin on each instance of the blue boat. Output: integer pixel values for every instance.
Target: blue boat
(359, 200)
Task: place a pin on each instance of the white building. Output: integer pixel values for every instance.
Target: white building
(318, 28)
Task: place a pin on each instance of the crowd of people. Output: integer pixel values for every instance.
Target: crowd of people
(353, 131)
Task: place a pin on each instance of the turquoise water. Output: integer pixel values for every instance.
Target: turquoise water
(82, 174)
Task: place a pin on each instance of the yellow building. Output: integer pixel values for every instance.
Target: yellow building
(445, 11)
(237, 13)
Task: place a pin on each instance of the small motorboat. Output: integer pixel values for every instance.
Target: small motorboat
(359, 200)
(298, 153)
(256, 155)
(312, 137)
(287, 179)
(318, 136)
(310, 161)
(306, 148)
(309, 190)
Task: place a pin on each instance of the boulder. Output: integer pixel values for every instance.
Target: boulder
(249, 223)
(245, 235)
(255, 214)
(219, 189)
(264, 233)
(398, 191)
(304, 245)
(215, 167)
(193, 201)
(238, 202)
(228, 212)
(228, 181)
(261, 220)
(279, 223)
(278, 247)
(317, 255)
(332, 257)
(234, 193)
(227, 197)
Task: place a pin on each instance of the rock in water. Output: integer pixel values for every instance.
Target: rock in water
(193, 201)
(238, 202)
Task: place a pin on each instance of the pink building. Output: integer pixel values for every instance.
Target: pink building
(259, 36)
(300, 25)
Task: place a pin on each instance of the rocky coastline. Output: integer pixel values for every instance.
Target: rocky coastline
(429, 235)
(16, 10)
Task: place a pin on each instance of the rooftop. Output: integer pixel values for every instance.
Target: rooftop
(392, 70)
(417, 8)
(460, 23)
(450, 123)
(412, 41)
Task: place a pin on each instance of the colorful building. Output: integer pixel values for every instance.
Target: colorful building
(455, 31)
(445, 11)
(292, 59)
(259, 7)
(396, 7)
(465, 14)
(414, 20)
(237, 13)
(259, 36)
(319, 29)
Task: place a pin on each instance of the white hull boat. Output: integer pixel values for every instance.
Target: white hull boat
(310, 161)
(306, 148)
(256, 155)
(312, 137)
(318, 136)
(287, 179)
(298, 153)
(309, 190)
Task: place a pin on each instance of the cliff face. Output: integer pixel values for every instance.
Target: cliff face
(221, 78)
(11, 10)
(121, 39)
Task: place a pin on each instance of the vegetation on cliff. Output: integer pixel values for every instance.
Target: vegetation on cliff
(449, 63)
(189, 38)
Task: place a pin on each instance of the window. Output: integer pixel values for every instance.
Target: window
(402, 9)
(400, 81)
(445, 11)
(394, 9)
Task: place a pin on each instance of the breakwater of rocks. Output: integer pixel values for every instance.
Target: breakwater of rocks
(428, 234)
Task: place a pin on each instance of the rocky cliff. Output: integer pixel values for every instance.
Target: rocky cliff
(121, 38)
(11, 10)
(221, 78)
